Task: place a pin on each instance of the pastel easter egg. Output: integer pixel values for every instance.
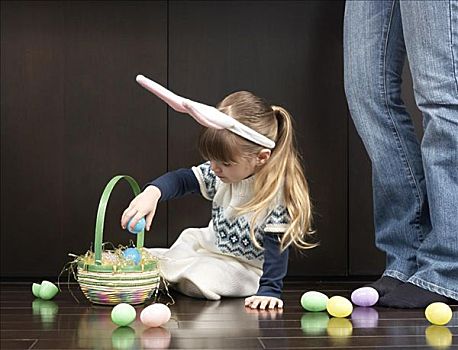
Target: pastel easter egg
(364, 317)
(314, 323)
(314, 301)
(139, 226)
(156, 338)
(155, 315)
(438, 337)
(124, 338)
(338, 306)
(36, 290)
(48, 311)
(48, 290)
(132, 254)
(365, 296)
(36, 306)
(339, 328)
(438, 313)
(123, 314)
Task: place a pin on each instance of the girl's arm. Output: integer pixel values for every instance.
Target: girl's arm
(176, 184)
(171, 185)
(274, 270)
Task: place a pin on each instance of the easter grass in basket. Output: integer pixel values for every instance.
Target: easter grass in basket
(108, 277)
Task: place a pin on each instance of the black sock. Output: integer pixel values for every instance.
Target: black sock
(409, 296)
(385, 285)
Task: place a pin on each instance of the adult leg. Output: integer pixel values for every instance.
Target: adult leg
(374, 55)
(431, 35)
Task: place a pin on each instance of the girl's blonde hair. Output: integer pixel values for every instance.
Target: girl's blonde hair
(282, 172)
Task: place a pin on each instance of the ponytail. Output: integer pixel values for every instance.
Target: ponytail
(283, 173)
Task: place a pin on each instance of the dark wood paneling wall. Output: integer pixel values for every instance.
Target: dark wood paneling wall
(72, 117)
(32, 138)
(290, 53)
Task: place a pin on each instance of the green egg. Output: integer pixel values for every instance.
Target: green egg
(123, 314)
(314, 323)
(314, 301)
(36, 306)
(123, 338)
(36, 289)
(48, 311)
(48, 290)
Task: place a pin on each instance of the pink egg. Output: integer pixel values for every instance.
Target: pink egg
(365, 296)
(156, 338)
(155, 315)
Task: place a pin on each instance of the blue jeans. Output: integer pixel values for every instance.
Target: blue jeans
(415, 185)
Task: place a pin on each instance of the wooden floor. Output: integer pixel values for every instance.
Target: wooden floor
(29, 323)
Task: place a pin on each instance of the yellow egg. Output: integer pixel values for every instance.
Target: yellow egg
(438, 313)
(339, 327)
(438, 337)
(339, 306)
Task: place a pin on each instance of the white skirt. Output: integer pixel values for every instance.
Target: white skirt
(194, 266)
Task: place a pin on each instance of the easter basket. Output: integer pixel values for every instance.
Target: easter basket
(107, 284)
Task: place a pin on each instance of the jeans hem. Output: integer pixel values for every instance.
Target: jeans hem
(433, 288)
(396, 274)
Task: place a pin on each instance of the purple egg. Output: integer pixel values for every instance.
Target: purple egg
(364, 317)
(365, 296)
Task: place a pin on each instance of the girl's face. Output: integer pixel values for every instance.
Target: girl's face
(234, 172)
(242, 169)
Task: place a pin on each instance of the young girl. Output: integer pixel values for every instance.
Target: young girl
(260, 201)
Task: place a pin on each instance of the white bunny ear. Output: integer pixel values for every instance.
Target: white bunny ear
(200, 113)
(209, 115)
(174, 101)
(205, 115)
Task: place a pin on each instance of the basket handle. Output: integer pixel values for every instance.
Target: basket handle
(101, 214)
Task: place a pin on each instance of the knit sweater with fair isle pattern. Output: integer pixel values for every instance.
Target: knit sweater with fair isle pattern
(232, 233)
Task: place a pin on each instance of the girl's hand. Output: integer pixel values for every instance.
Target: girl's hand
(262, 302)
(143, 205)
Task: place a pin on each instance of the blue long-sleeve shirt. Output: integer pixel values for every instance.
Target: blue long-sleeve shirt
(178, 183)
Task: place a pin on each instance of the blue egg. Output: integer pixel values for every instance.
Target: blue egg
(139, 226)
(132, 254)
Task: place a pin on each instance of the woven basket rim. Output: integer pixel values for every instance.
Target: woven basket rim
(151, 266)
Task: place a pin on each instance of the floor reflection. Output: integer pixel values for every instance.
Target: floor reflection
(364, 317)
(124, 338)
(47, 310)
(227, 323)
(97, 331)
(438, 337)
(156, 338)
(340, 331)
(314, 323)
(268, 314)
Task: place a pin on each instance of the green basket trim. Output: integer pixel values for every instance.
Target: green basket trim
(101, 215)
(109, 268)
(120, 286)
(82, 278)
(118, 276)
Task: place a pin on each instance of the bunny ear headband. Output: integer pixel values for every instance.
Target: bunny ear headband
(205, 115)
